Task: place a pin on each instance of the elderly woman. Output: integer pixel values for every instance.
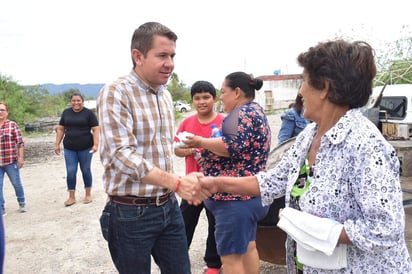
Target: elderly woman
(242, 150)
(341, 174)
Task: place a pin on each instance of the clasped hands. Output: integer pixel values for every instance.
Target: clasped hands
(195, 187)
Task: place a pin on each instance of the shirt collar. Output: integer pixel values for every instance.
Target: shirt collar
(144, 86)
(343, 127)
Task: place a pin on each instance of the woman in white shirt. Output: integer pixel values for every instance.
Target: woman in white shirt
(340, 169)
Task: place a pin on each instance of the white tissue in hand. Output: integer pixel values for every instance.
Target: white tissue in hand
(179, 138)
(310, 231)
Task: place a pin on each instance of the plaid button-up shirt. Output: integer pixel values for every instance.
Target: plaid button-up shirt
(10, 142)
(136, 134)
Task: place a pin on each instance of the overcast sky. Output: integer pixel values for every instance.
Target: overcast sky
(85, 41)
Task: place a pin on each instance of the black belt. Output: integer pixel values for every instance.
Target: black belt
(141, 201)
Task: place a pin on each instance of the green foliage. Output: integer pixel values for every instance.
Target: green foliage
(399, 72)
(11, 94)
(178, 117)
(20, 107)
(394, 60)
(26, 104)
(68, 93)
(178, 89)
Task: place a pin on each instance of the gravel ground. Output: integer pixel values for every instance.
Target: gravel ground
(50, 238)
(42, 162)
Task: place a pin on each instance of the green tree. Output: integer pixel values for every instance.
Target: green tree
(13, 95)
(399, 72)
(394, 60)
(51, 105)
(178, 89)
(28, 103)
(68, 93)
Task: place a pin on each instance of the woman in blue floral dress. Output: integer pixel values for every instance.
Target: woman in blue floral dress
(242, 150)
(340, 170)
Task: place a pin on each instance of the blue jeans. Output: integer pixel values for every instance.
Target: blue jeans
(13, 172)
(73, 159)
(136, 232)
(2, 244)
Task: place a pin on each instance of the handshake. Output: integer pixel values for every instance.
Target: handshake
(195, 187)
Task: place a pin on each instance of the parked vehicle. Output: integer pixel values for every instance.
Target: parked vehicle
(182, 106)
(394, 106)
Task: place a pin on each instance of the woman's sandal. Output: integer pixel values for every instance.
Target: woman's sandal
(87, 200)
(67, 203)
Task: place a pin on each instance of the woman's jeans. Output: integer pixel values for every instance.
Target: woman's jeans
(74, 158)
(13, 172)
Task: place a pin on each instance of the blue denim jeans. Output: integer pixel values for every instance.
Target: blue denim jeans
(73, 159)
(13, 172)
(134, 233)
(2, 244)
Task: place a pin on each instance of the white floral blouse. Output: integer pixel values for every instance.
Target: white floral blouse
(356, 182)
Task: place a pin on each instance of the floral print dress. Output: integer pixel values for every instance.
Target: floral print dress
(246, 134)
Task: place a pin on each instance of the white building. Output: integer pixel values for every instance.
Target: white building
(278, 90)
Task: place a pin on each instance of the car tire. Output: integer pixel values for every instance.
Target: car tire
(183, 110)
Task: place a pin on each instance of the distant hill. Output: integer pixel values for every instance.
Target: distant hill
(88, 90)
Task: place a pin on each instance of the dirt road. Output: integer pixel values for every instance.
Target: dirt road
(53, 239)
